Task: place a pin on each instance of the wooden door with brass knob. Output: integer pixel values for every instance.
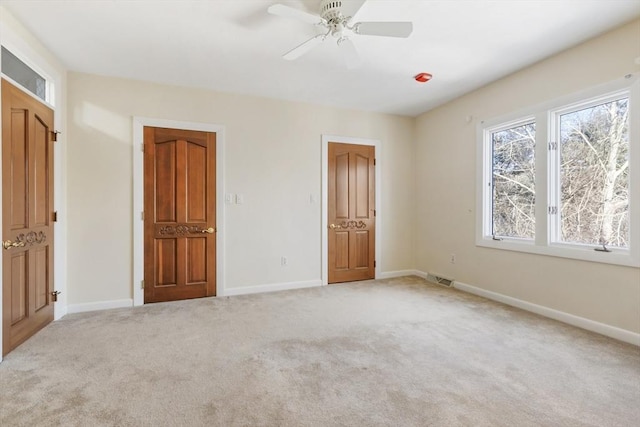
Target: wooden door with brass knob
(27, 210)
(179, 214)
(351, 212)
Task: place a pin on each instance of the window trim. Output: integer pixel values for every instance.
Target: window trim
(544, 242)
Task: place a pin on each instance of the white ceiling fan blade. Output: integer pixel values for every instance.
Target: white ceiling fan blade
(290, 12)
(386, 29)
(305, 47)
(349, 53)
(351, 7)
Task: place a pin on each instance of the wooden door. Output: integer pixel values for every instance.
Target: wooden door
(27, 209)
(179, 214)
(351, 212)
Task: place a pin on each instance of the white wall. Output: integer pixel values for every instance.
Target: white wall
(445, 181)
(273, 158)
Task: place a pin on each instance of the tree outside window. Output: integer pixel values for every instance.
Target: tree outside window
(513, 181)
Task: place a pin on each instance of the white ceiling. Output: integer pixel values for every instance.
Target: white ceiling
(236, 46)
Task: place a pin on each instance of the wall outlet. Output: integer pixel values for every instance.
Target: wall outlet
(283, 261)
(453, 259)
(239, 199)
(229, 197)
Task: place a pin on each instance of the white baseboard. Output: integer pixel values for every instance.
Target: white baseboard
(580, 322)
(397, 273)
(271, 287)
(99, 305)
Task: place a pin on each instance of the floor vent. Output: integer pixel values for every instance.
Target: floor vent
(439, 280)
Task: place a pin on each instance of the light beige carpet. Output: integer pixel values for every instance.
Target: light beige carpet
(396, 352)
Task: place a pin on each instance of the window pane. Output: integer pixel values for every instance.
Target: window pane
(23, 74)
(594, 172)
(514, 193)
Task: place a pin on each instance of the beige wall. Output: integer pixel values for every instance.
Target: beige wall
(446, 185)
(273, 158)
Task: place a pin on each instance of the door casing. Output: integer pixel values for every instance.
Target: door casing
(138, 198)
(325, 192)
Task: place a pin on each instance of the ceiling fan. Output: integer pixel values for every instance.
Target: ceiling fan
(335, 20)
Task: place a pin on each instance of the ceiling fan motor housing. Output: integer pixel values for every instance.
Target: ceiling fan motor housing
(330, 11)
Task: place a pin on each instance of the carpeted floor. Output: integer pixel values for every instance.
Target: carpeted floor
(397, 352)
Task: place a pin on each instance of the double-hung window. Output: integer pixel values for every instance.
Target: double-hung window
(563, 179)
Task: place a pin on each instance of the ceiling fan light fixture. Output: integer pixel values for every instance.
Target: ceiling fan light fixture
(335, 19)
(423, 77)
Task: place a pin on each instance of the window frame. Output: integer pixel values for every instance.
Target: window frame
(547, 232)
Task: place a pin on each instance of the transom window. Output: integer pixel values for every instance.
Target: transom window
(24, 75)
(557, 179)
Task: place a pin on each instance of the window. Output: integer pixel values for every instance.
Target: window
(513, 181)
(557, 179)
(22, 74)
(593, 156)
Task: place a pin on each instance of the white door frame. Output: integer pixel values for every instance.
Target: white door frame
(324, 251)
(138, 197)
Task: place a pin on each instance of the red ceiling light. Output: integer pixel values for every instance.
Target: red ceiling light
(422, 77)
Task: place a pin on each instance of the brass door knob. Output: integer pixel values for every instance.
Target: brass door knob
(335, 227)
(209, 230)
(8, 244)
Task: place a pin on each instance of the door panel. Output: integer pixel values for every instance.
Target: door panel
(18, 161)
(196, 183)
(41, 289)
(165, 175)
(341, 250)
(166, 262)
(362, 187)
(27, 206)
(362, 249)
(351, 212)
(19, 307)
(197, 260)
(41, 174)
(342, 186)
(179, 187)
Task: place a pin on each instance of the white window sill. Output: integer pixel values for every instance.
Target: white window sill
(584, 253)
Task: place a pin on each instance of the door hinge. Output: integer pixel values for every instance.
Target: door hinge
(54, 216)
(142, 147)
(374, 162)
(553, 210)
(141, 284)
(54, 135)
(142, 216)
(374, 212)
(553, 145)
(375, 263)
